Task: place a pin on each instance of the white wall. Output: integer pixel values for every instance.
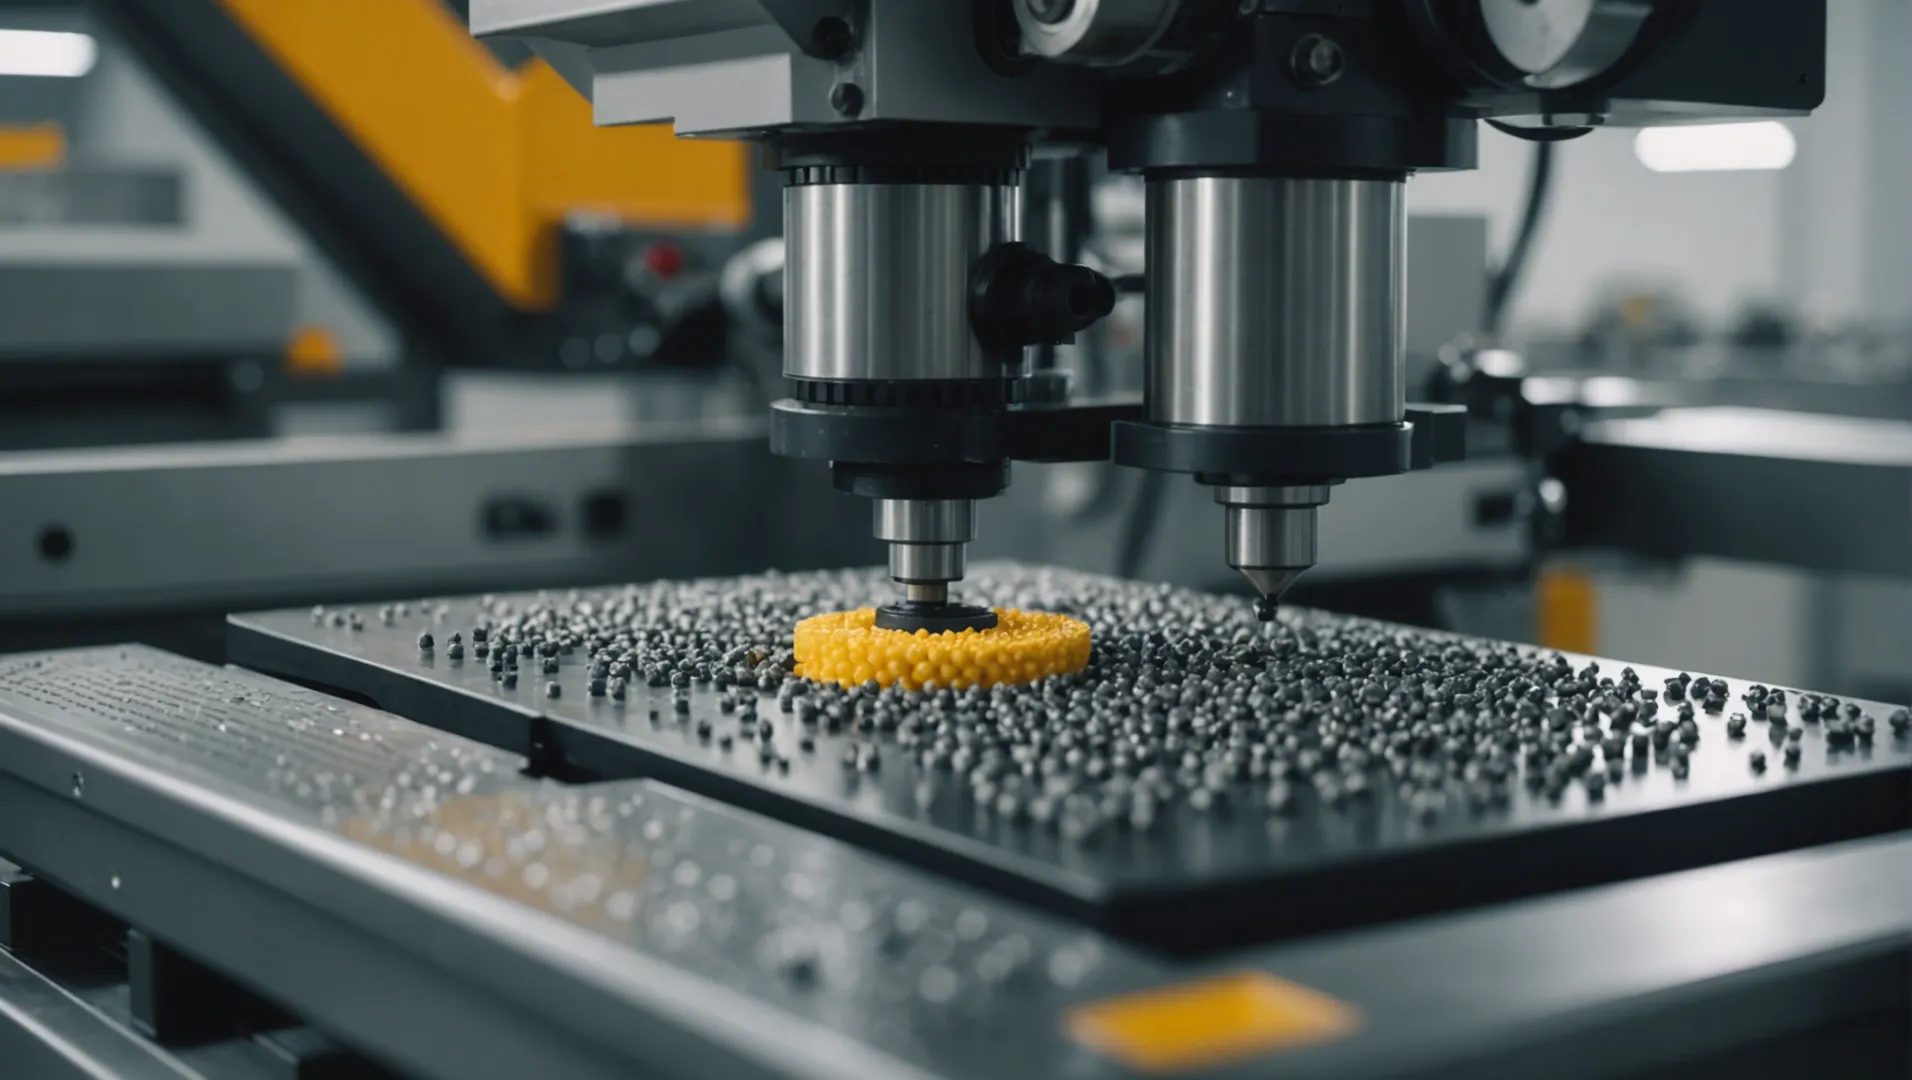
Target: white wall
(1847, 217)
(1834, 231)
(1714, 236)
(1888, 262)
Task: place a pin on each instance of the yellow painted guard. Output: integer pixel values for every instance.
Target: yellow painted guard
(313, 350)
(495, 158)
(1210, 1022)
(1567, 610)
(34, 146)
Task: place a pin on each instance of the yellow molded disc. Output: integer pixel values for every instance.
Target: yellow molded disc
(848, 648)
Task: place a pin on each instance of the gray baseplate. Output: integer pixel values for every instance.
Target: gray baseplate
(1500, 797)
(796, 953)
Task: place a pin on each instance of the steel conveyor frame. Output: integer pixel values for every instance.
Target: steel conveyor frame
(1599, 982)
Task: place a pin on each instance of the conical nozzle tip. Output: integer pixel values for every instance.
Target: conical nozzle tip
(1270, 582)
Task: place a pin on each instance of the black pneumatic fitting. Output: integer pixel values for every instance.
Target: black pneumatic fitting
(1019, 296)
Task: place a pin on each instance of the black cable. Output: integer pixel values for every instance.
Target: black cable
(1501, 289)
(1138, 529)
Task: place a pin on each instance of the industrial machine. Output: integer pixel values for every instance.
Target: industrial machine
(1275, 139)
(614, 830)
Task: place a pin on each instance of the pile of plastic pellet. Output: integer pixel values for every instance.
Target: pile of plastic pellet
(1186, 699)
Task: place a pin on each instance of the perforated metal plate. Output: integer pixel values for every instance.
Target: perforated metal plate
(1196, 877)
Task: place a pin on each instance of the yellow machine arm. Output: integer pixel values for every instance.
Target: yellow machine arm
(494, 157)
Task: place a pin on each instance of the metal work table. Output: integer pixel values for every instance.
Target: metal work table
(349, 517)
(1196, 881)
(420, 898)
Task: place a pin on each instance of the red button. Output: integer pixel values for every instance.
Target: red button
(664, 260)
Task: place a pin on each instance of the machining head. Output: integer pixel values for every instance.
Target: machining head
(1274, 137)
(929, 541)
(1271, 536)
(909, 307)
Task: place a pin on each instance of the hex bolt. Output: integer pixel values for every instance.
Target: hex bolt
(1317, 60)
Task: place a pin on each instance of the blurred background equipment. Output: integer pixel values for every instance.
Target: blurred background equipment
(388, 270)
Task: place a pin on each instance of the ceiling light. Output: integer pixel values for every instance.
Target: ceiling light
(1767, 144)
(55, 53)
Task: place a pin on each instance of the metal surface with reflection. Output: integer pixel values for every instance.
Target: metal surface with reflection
(152, 529)
(1275, 301)
(1271, 533)
(629, 928)
(876, 283)
(1099, 33)
(1557, 43)
(928, 539)
(417, 895)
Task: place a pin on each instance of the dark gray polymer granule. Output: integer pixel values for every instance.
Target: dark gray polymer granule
(1189, 703)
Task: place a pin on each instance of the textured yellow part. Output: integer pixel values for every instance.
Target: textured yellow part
(847, 647)
(1210, 1022)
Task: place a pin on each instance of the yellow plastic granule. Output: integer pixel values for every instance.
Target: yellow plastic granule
(848, 648)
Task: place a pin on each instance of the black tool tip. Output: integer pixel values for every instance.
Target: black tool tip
(935, 618)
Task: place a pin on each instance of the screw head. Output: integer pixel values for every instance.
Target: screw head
(847, 99)
(1317, 60)
(831, 38)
